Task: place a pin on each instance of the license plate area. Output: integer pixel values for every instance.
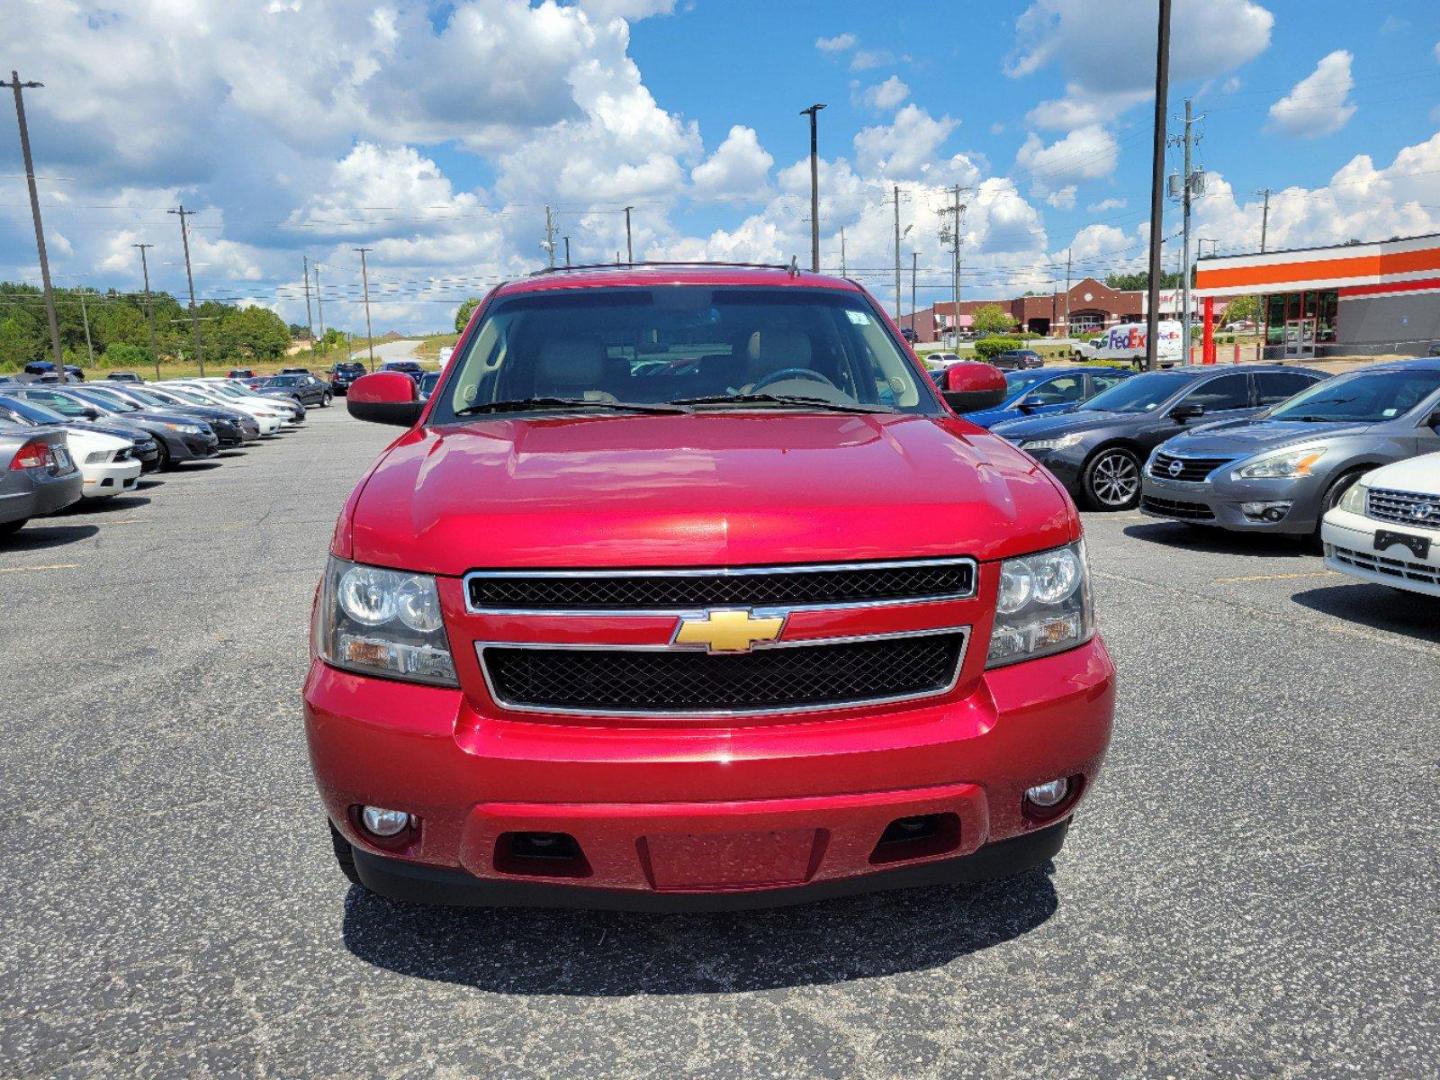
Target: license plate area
(1419, 546)
(731, 860)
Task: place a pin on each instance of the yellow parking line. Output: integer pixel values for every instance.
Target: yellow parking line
(27, 569)
(1275, 577)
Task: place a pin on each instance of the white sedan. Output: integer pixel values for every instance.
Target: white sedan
(106, 463)
(1386, 528)
(268, 417)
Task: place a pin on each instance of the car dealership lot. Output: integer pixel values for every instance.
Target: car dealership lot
(1251, 888)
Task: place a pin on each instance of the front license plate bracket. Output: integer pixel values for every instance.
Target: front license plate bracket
(1419, 546)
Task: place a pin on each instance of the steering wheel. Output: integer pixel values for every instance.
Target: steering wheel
(805, 373)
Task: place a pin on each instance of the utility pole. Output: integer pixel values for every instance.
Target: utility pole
(914, 269)
(1264, 217)
(1188, 190)
(567, 250)
(812, 112)
(309, 321)
(190, 278)
(1067, 292)
(843, 270)
(16, 85)
(897, 251)
(951, 236)
(549, 244)
(365, 281)
(629, 246)
(320, 311)
(84, 318)
(1157, 184)
(149, 307)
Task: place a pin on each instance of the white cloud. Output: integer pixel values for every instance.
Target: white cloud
(632, 10)
(1106, 204)
(837, 44)
(1317, 104)
(865, 59)
(739, 169)
(886, 95)
(1112, 72)
(907, 147)
(1087, 153)
(1064, 199)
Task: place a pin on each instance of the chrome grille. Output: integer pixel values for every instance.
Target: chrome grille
(1403, 507)
(1192, 469)
(790, 587)
(1375, 563)
(665, 682)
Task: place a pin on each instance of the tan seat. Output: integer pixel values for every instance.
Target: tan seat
(571, 368)
(769, 351)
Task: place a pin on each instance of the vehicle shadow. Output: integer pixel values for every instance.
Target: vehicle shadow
(39, 537)
(85, 507)
(1218, 541)
(197, 466)
(607, 954)
(1408, 614)
(147, 482)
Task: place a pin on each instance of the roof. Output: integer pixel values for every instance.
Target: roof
(642, 274)
(1403, 263)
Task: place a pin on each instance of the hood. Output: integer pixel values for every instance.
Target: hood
(115, 430)
(1418, 474)
(163, 416)
(1241, 438)
(701, 490)
(1054, 424)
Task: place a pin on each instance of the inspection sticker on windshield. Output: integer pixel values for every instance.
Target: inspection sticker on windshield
(1389, 413)
(859, 318)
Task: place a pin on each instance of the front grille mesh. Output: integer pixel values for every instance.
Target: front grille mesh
(1403, 507)
(779, 587)
(635, 681)
(1191, 469)
(1171, 508)
(1424, 573)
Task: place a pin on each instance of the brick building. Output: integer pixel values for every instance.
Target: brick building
(1092, 305)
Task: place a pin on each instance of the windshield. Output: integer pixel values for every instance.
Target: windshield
(708, 346)
(1017, 382)
(1138, 394)
(1364, 397)
(107, 400)
(185, 395)
(282, 380)
(145, 397)
(38, 414)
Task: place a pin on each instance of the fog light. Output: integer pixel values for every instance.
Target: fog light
(382, 822)
(1048, 795)
(1265, 511)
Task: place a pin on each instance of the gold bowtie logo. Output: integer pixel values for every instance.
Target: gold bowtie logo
(728, 631)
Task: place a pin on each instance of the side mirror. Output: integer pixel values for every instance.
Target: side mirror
(970, 386)
(386, 397)
(90, 414)
(1187, 412)
(1434, 420)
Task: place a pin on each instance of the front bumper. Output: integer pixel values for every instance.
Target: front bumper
(1067, 466)
(192, 447)
(763, 811)
(1350, 549)
(1218, 501)
(109, 478)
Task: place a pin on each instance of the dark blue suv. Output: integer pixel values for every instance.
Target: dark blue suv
(1048, 390)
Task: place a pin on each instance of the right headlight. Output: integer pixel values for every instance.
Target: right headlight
(1042, 607)
(1354, 498)
(382, 622)
(1052, 444)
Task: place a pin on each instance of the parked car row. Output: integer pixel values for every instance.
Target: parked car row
(64, 442)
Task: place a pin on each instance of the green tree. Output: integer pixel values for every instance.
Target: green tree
(463, 315)
(1141, 280)
(1243, 307)
(991, 319)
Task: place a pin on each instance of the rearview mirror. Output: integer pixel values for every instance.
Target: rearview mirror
(971, 386)
(386, 397)
(1187, 412)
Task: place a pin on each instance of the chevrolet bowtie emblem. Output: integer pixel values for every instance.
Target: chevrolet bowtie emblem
(728, 631)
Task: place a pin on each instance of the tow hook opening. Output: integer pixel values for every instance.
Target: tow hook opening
(540, 854)
(917, 838)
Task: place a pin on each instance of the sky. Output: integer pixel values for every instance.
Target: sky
(436, 135)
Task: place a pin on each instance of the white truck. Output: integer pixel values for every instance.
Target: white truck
(1127, 342)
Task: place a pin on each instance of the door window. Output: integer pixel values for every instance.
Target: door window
(1060, 391)
(1219, 395)
(1278, 386)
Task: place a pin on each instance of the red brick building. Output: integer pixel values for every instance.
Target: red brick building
(1091, 305)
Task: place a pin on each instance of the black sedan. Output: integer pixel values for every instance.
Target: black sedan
(181, 438)
(305, 389)
(232, 427)
(19, 411)
(1097, 450)
(1018, 360)
(343, 374)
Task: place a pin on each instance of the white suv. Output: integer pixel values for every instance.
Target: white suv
(1386, 528)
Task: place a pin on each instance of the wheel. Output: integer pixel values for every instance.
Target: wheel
(10, 528)
(344, 855)
(1333, 494)
(1112, 479)
(325, 401)
(162, 460)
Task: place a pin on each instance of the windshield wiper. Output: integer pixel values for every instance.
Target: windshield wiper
(538, 403)
(782, 399)
(1308, 419)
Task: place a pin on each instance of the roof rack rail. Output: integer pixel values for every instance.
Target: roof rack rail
(662, 262)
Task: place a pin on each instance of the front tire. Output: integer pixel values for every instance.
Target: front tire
(344, 855)
(1333, 494)
(1112, 479)
(10, 528)
(325, 401)
(162, 459)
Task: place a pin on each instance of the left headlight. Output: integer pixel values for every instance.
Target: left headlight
(1043, 606)
(1052, 444)
(382, 622)
(1354, 498)
(186, 429)
(1285, 465)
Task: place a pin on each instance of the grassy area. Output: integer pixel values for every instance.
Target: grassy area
(428, 351)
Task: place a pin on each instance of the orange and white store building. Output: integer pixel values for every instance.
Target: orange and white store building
(1355, 299)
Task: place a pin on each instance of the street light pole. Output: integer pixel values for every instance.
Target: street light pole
(1157, 184)
(812, 111)
(190, 278)
(365, 280)
(629, 246)
(149, 307)
(16, 85)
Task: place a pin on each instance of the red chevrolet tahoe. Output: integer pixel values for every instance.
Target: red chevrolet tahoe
(686, 588)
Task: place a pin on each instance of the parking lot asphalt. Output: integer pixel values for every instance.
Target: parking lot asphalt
(1252, 889)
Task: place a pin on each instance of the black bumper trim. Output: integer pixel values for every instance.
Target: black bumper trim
(420, 884)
